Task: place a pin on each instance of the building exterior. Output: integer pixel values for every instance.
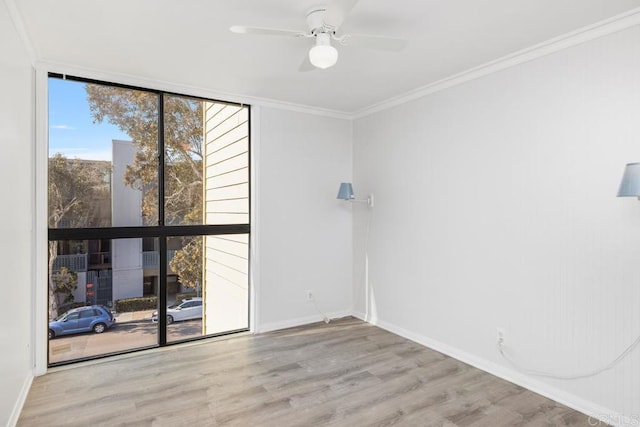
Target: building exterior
(109, 270)
(226, 190)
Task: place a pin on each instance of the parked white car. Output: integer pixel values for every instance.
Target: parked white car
(190, 308)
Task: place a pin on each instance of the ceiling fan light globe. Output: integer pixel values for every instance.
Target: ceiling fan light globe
(323, 56)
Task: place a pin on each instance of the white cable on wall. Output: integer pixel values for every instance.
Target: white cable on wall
(543, 374)
(364, 274)
(315, 304)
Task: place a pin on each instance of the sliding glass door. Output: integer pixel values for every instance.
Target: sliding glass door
(148, 218)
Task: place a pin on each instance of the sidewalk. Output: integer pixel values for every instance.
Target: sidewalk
(133, 315)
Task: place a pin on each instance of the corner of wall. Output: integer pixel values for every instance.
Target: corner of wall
(20, 28)
(570, 400)
(22, 398)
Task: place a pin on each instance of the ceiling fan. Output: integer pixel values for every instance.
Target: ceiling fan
(323, 23)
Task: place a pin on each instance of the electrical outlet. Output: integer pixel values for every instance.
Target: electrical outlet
(309, 295)
(500, 336)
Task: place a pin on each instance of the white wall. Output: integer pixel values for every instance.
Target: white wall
(16, 193)
(496, 207)
(303, 232)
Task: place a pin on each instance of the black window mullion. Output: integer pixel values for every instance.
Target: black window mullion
(161, 160)
(162, 265)
(162, 292)
(151, 231)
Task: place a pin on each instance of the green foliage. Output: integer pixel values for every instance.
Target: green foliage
(136, 304)
(187, 262)
(135, 113)
(64, 283)
(78, 190)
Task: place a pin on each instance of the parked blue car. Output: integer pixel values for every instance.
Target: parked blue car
(94, 318)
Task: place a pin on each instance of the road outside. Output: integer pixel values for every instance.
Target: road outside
(131, 331)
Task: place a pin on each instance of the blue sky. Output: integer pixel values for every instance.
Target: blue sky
(71, 128)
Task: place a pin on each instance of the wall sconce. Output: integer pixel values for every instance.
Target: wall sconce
(346, 193)
(630, 184)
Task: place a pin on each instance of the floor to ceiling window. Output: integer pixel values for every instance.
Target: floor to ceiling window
(148, 217)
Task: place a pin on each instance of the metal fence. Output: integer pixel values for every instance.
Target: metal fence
(151, 259)
(77, 263)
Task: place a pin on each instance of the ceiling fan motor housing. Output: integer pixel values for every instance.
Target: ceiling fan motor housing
(315, 22)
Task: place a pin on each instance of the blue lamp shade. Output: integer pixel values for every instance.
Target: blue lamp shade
(630, 185)
(345, 192)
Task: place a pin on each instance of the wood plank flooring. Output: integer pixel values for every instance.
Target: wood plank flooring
(346, 373)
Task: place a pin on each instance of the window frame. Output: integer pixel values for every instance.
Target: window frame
(161, 231)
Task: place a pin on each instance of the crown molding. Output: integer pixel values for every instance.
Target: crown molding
(591, 32)
(128, 79)
(18, 24)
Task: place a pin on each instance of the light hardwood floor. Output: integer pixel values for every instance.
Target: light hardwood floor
(346, 373)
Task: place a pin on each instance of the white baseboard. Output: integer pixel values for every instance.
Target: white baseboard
(597, 412)
(593, 410)
(17, 408)
(290, 323)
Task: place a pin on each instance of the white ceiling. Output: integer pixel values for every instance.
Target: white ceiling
(188, 42)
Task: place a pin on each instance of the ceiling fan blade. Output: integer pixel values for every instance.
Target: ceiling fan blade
(337, 11)
(306, 65)
(240, 29)
(390, 44)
